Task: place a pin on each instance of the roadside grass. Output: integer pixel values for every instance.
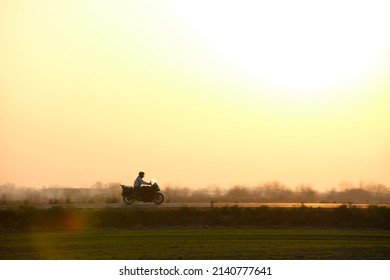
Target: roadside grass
(26, 218)
(123, 244)
(191, 233)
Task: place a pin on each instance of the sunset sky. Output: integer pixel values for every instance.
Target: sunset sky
(195, 93)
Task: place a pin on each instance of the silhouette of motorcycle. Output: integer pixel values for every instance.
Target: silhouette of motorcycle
(145, 193)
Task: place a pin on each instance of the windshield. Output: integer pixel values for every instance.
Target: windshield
(152, 181)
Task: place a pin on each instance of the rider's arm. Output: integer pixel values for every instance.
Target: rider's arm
(138, 182)
(144, 183)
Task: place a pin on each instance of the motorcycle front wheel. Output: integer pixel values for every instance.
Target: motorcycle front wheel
(128, 199)
(158, 198)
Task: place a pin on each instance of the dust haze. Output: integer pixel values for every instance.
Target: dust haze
(268, 192)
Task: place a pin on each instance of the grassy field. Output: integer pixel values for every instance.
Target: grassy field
(190, 233)
(197, 244)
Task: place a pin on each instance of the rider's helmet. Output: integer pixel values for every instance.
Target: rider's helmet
(141, 173)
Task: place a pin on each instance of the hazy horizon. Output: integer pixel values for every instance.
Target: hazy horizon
(195, 93)
(341, 186)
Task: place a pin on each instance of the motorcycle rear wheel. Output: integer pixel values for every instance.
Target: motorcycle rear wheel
(128, 199)
(158, 198)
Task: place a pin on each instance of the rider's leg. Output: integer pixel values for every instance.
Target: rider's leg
(137, 191)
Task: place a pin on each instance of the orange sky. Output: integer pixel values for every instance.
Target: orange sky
(196, 93)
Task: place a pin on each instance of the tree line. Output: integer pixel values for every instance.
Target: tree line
(268, 192)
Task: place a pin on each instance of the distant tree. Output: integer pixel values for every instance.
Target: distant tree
(239, 194)
(355, 195)
(305, 193)
(277, 192)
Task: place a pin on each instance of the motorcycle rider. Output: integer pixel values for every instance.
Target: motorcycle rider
(140, 182)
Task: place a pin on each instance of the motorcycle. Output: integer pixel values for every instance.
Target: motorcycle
(145, 193)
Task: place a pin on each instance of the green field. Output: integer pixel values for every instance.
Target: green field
(191, 233)
(197, 244)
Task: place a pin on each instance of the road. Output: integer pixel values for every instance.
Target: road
(141, 205)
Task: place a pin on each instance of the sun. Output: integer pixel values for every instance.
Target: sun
(301, 49)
